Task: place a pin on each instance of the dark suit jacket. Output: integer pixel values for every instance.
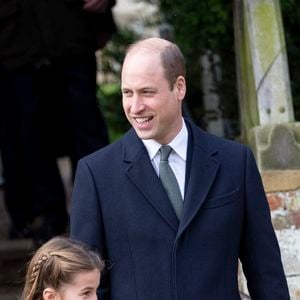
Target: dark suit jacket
(120, 207)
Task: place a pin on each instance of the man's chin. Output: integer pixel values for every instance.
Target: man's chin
(143, 135)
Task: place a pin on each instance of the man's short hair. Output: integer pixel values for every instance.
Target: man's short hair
(173, 63)
(172, 59)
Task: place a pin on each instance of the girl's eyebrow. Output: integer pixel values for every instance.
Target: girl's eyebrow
(87, 288)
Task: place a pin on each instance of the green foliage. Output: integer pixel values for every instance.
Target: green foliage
(109, 91)
(110, 100)
(112, 55)
(198, 26)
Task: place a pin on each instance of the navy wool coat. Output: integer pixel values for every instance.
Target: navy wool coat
(120, 208)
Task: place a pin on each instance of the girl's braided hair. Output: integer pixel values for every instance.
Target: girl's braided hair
(56, 263)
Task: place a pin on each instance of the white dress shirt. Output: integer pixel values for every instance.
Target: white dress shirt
(177, 158)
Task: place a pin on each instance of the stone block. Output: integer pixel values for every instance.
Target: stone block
(294, 287)
(281, 219)
(285, 209)
(276, 146)
(275, 201)
(289, 242)
(295, 219)
(282, 181)
(292, 201)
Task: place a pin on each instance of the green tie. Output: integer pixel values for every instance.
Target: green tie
(168, 179)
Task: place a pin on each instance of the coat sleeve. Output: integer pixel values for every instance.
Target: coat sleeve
(260, 254)
(86, 219)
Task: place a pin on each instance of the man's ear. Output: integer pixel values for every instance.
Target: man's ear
(180, 86)
(49, 294)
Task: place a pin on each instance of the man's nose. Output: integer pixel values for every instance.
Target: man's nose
(137, 104)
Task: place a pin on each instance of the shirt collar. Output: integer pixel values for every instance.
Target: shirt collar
(179, 144)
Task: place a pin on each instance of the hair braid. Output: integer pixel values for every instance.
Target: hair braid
(35, 272)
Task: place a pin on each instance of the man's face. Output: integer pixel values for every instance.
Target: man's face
(152, 108)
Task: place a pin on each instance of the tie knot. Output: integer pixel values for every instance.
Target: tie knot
(165, 151)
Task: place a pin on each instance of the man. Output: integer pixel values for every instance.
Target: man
(48, 104)
(158, 249)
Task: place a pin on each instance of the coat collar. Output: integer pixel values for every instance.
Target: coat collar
(144, 177)
(202, 168)
(201, 171)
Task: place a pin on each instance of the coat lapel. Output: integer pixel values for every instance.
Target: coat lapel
(202, 169)
(144, 177)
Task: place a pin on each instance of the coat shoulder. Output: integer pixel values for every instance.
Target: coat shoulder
(111, 151)
(114, 153)
(212, 143)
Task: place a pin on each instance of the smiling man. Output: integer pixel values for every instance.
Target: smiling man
(170, 207)
(151, 103)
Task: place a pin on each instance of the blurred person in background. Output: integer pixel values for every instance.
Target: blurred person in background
(48, 104)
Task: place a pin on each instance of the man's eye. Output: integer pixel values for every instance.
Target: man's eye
(127, 93)
(148, 92)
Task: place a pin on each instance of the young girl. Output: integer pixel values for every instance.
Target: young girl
(63, 270)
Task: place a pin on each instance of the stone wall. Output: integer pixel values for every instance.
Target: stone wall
(283, 193)
(285, 211)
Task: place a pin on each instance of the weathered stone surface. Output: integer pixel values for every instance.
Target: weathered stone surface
(276, 146)
(289, 241)
(285, 214)
(281, 220)
(285, 209)
(268, 54)
(294, 287)
(289, 199)
(263, 78)
(275, 202)
(295, 219)
(281, 181)
(292, 200)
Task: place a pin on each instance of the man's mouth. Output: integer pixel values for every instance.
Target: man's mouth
(143, 120)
